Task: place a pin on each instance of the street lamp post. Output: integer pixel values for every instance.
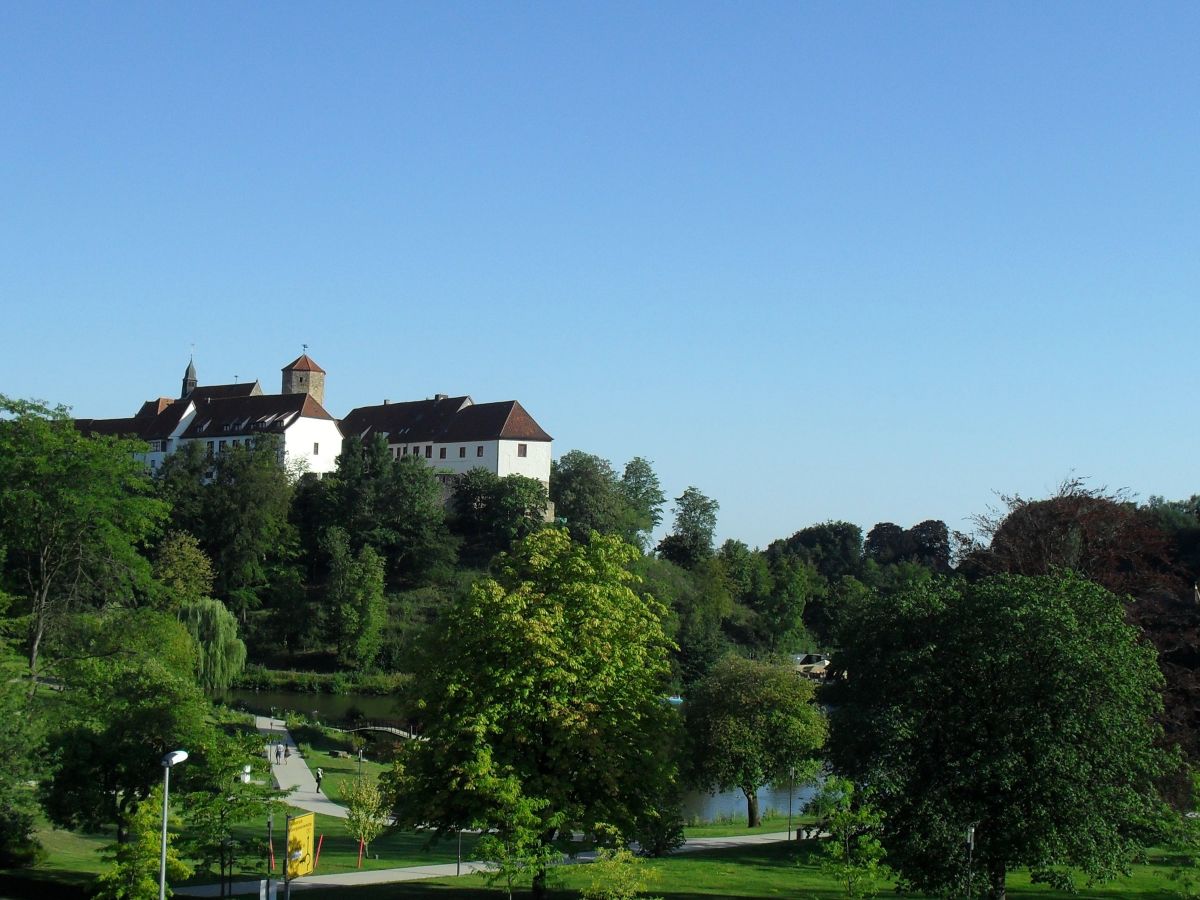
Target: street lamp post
(791, 790)
(174, 758)
(970, 854)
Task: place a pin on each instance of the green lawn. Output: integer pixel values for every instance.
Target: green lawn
(745, 873)
(319, 746)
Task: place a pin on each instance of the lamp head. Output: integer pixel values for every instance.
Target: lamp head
(174, 758)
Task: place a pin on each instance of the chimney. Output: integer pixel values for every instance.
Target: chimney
(441, 396)
(386, 402)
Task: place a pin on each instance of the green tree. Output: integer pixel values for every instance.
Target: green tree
(690, 541)
(1043, 736)
(74, 514)
(587, 494)
(231, 789)
(247, 533)
(366, 812)
(644, 500)
(542, 693)
(134, 872)
(20, 746)
(129, 696)
(222, 653)
(514, 848)
(854, 853)
(491, 513)
(356, 608)
(752, 722)
(183, 569)
(393, 506)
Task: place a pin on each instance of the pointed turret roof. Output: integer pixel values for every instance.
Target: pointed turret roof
(303, 363)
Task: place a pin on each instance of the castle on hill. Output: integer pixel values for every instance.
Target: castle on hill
(451, 434)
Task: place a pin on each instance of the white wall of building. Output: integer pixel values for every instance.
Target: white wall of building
(534, 464)
(313, 443)
(500, 457)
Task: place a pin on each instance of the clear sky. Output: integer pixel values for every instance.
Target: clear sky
(863, 261)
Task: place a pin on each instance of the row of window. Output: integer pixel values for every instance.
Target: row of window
(522, 450)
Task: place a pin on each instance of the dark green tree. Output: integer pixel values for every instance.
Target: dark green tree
(690, 541)
(1023, 706)
(129, 696)
(354, 602)
(491, 513)
(543, 695)
(75, 512)
(644, 499)
(393, 506)
(587, 494)
(752, 722)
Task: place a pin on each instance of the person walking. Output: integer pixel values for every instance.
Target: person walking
(278, 754)
(320, 775)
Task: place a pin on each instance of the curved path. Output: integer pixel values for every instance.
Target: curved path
(293, 775)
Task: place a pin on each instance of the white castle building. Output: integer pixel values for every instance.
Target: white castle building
(451, 434)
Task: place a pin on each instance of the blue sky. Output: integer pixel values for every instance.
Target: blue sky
(868, 261)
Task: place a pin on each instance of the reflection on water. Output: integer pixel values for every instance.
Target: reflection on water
(332, 708)
(732, 804)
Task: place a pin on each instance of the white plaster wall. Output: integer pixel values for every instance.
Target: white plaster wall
(452, 463)
(298, 440)
(535, 464)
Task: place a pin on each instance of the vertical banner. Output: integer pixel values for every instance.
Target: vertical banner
(300, 845)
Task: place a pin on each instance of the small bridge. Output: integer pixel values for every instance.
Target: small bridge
(382, 727)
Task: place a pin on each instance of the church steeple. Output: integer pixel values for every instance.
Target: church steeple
(189, 379)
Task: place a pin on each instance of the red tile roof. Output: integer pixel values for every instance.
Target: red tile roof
(303, 363)
(444, 420)
(258, 414)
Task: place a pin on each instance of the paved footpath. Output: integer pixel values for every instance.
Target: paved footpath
(293, 775)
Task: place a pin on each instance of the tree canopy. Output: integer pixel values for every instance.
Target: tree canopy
(1021, 705)
(543, 694)
(752, 722)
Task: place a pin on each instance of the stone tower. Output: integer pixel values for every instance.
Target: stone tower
(189, 379)
(303, 376)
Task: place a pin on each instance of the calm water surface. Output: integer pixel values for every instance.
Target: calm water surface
(336, 709)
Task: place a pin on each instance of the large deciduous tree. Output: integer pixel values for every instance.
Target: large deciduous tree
(586, 493)
(355, 605)
(74, 513)
(543, 692)
(690, 541)
(393, 506)
(752, 722)
(129, 697)
(491, 513)
(222, 654)
(644, 500)
(1023, 706)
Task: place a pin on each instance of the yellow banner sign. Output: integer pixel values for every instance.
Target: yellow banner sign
(300, 845)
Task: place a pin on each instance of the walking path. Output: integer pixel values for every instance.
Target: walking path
(292, 774)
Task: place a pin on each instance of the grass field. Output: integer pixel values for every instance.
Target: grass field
(750, 873)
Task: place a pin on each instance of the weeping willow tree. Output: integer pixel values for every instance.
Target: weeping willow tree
(222, 652)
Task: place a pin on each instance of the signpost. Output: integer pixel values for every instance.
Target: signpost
(299, 841)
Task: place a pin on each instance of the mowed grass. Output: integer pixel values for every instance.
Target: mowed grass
(744, 873)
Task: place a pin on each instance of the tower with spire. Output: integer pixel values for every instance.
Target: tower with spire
(189, 379)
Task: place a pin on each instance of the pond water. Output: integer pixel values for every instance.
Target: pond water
(336, 709)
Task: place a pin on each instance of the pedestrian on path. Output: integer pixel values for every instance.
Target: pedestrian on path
(320, 775)
(279, 754)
